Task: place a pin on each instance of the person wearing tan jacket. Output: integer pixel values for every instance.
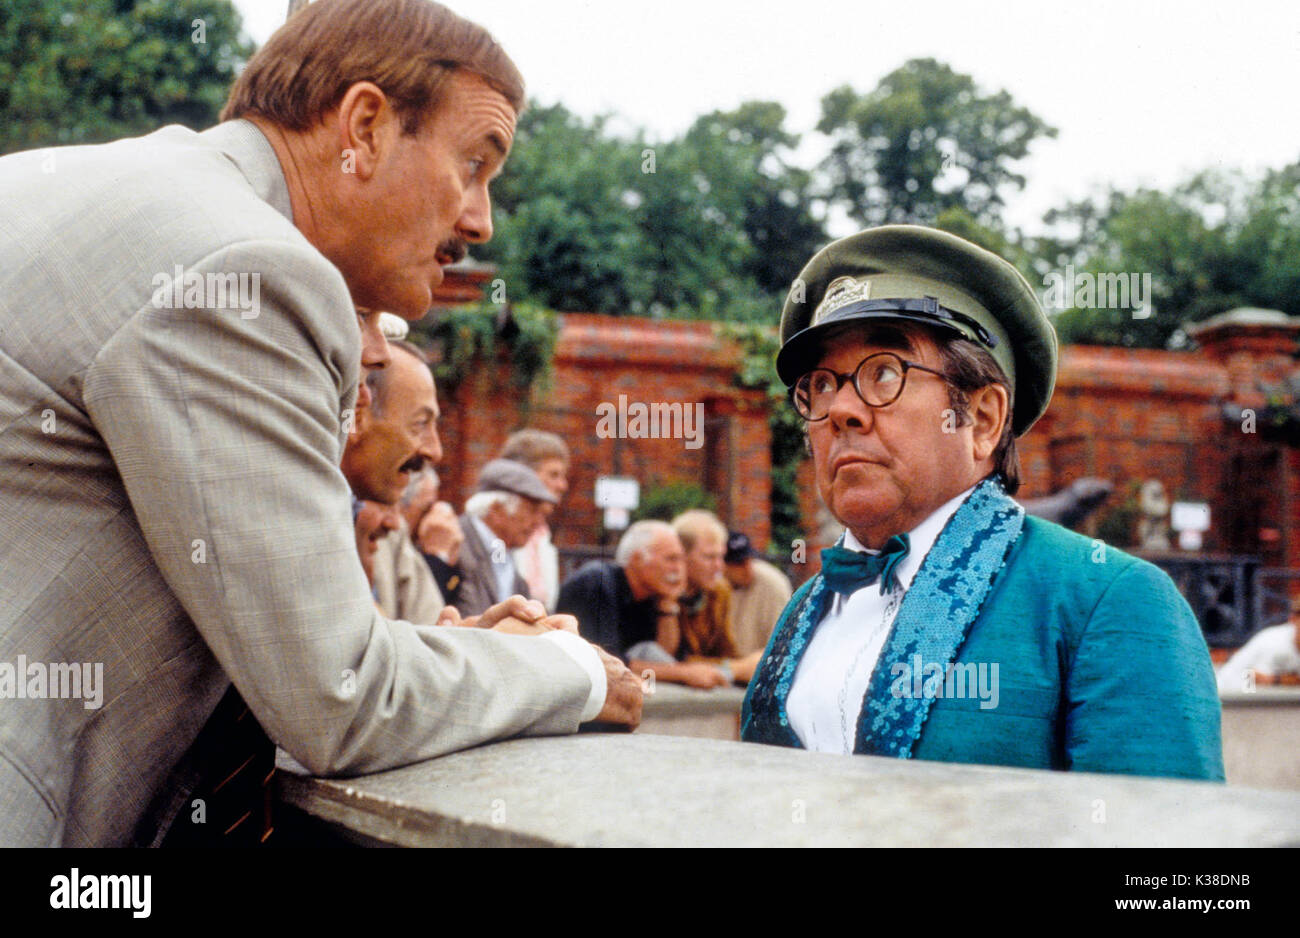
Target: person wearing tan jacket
(706, 632)
(759, 593)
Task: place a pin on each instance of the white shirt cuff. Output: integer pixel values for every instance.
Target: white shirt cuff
(582, 652)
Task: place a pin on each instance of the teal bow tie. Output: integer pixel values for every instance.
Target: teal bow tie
(847, 571)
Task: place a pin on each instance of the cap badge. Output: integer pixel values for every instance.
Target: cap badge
(840, 293)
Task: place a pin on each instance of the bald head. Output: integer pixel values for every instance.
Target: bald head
(405, 360)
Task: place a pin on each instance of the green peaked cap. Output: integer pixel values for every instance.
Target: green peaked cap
(923, 275)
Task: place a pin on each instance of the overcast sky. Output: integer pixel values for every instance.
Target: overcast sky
(1142, 91)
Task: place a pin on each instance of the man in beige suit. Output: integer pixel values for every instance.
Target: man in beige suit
(179, 360)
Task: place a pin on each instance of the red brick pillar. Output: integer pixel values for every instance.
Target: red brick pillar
(1259, 347)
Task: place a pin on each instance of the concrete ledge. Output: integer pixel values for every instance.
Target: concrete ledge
(677, 700)
(1266, 695)
(662, 791)
(675, 710)
(1261, 737)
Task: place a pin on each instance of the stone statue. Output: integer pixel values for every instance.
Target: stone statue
(1153, 526)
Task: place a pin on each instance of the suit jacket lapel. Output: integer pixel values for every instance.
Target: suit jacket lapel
(481, 571)
(477, 549)
(944, 599)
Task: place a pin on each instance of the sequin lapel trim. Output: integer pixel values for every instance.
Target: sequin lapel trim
(944, 599)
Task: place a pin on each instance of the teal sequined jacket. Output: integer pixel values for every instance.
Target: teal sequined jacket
(1101, 667)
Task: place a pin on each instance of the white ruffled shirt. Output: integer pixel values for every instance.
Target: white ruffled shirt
(831, 680)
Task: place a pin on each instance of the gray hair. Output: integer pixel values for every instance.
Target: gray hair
(970, 367)
(637, 539)
(480, 503)
(692, 526)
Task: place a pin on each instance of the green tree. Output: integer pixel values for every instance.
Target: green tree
(664, 501)
(566, 236)
(712, 225)
(1217, 241)
(925, 141)
(692, 245)
(101, 69)
(744, 159)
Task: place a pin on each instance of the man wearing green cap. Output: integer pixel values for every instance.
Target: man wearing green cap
(946, 624)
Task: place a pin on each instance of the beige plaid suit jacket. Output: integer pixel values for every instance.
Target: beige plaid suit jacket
(171, 507)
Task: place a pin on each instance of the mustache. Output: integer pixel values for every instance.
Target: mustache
(455, 248)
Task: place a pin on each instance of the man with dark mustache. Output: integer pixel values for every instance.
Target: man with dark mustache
(946, 624)
(393, 439)
(169, 473)
(393, 436)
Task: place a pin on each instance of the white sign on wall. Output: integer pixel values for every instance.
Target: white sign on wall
(617, 492)
(1190, 520)
(1190, 516)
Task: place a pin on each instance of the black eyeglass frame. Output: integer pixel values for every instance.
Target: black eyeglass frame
(841, 378)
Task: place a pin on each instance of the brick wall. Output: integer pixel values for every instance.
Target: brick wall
(598, 360)
(1127, 416)
(1124, 415)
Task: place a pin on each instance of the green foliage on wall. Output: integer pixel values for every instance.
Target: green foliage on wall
(1279, 419)
(522, 333)
(1118, 526)
(664, 501)
(758, 370)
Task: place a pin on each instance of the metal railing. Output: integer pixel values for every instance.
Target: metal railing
(1232, 595)
(573, 559)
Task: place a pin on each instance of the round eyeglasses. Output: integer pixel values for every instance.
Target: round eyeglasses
(878, 380)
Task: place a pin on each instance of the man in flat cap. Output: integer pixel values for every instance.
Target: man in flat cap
(512, 501)
(945, 624)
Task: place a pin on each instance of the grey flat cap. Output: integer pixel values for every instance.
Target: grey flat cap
(506, 475)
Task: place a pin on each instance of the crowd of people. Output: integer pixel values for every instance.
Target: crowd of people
(689, 602)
